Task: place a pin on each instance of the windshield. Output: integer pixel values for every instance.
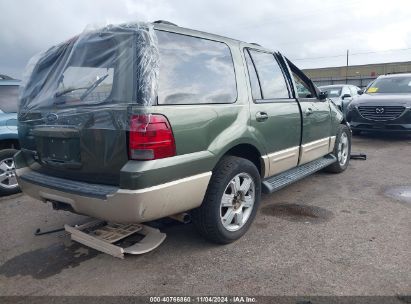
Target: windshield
(8, 98)
(396, 84)
(332, 91)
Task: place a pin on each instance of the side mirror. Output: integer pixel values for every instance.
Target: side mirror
(323, 95)
(360, 92)
(346, 96)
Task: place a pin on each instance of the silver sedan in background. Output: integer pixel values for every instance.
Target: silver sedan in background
(342, 94)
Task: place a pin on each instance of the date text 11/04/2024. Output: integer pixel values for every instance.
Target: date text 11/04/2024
(203, 299)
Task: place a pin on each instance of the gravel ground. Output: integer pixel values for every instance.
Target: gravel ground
(329, 234)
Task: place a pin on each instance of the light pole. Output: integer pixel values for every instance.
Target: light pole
(346, 68)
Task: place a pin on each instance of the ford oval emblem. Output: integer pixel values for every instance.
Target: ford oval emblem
(51, 117)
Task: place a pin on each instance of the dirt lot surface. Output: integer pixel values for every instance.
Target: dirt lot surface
(329, 234)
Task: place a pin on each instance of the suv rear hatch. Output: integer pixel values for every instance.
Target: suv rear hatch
(76, 104)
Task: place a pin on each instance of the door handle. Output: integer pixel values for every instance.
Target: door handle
(308, 111)
(261, 116)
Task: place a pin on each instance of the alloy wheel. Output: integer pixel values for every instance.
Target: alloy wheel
(343, 146)
(237, 202)
(7, 174)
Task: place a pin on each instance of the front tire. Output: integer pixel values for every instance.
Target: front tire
(231, 201)
(342, 150)
(8, 181)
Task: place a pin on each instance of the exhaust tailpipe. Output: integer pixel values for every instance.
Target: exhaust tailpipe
(183, 217)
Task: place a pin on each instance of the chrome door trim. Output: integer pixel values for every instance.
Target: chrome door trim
(283, 160)
(313, 150)
(280, 161)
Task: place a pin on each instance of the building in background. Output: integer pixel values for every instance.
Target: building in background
(358, 75)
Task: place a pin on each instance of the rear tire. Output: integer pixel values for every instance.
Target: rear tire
(231, 201)
(8, 181)
(342, 150)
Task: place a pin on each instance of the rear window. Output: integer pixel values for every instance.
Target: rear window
(91, 69)
(8, 98)
(391, 85)
(88, 76)
(76, 81)
(194, 71)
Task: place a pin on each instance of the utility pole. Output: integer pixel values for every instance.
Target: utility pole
(346, 68)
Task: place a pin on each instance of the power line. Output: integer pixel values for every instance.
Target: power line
(373, 52)
(352, 54)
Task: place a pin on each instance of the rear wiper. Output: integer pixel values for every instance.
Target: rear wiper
(88, 89)
(93, 86)
(58, 94)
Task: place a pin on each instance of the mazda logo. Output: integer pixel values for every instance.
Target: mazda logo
(379, 110)
(50, 117)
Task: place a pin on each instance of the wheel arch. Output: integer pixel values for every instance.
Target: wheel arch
(247, 151)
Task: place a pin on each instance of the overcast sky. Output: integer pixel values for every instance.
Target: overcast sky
(314, 33)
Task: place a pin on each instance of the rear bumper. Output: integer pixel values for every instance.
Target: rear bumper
(114, 204)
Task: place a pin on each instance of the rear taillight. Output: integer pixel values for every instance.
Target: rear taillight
(150, 137)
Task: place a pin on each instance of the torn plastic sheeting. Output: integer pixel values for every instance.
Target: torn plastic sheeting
(113, 67)
(77, 99)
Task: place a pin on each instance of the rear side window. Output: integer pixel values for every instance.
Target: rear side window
(270, 75)
(8, 98)
(194, 71)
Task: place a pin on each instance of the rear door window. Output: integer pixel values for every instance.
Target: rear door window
(255, 86)
(194, 70)
(270, 75)
(8, 98)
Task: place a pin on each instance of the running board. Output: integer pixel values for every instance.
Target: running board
(288, 177)
(101, 236)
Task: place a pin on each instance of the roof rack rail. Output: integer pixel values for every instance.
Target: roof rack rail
(164, 22)
(255, 43)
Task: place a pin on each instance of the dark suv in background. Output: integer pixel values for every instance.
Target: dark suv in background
(8, 133)
(385, 106)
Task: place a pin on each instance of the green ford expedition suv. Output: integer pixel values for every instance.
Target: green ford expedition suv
(137, 122)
